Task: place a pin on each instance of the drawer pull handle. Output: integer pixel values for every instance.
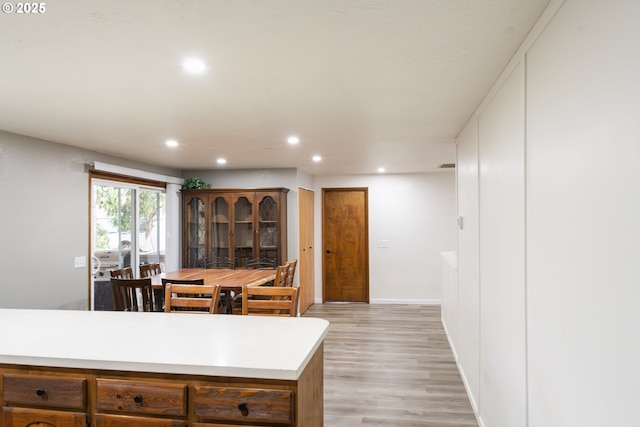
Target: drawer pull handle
(244, 409)
(40, 392)
(137, 398)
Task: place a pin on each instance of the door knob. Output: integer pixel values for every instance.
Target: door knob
(328, 251)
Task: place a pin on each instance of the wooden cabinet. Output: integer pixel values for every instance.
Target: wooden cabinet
(132, 397)
(103, 420)
(35, 400)
(26, 417)
(306, 296)
(236, 223)
(244, 404)
(64, 397)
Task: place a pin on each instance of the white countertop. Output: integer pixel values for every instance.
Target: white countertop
(218, 345)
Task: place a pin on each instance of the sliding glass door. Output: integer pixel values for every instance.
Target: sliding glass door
(128, 229)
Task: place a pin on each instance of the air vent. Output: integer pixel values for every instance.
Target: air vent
(447, 166)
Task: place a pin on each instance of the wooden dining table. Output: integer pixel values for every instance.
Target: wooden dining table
(229, 280)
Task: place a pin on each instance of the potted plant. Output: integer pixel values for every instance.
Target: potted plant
(194, 183)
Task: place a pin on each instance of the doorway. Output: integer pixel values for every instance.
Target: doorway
(345, 238)
(128, 228)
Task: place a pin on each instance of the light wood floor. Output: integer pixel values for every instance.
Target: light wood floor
(390, 365)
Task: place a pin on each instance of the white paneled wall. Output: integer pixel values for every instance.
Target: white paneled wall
(502, 308)
(450, 306)
(583, 216)
(549, 270)
(468, 349)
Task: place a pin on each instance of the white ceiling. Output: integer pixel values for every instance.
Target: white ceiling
(363, 83)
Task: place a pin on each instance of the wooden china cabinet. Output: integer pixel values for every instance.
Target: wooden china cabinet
(240, 223)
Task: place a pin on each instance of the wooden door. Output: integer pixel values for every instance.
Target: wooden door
(345, 239)
(306, 270)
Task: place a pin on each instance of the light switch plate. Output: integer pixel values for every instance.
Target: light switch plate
(383, 243)
(80, 262)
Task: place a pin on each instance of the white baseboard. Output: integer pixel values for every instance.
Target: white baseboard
(474, 404)
(397, 301)
(407, 301)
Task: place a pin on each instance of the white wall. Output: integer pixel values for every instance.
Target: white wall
(467, 351)
(583, 216)
(501, 202)
(559, 323)
(416, 214)
(44, 221)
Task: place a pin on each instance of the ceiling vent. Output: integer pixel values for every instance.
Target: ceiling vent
(447, 166)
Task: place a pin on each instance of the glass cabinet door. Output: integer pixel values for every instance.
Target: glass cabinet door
(220, 232)
(195, 233)
(243, 229)
(268, 226)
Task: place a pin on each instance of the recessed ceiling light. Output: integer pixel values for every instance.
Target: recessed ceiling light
(381, 169)
(221, 161)
(316, 158)
(171, 143)
(293, 140)
(194, 65)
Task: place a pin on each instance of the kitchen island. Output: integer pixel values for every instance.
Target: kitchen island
(162, 369)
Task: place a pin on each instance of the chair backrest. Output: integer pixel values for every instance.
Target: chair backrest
(125, 294)
(195, 282)
(182, 282)
(281, 275)
(270, 301)
(291, 272)
(151, 269)
(191, 298)
(220, 262)
(261, 264)
(122, 273)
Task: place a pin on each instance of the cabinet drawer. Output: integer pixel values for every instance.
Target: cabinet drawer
(103, 420)
(141, 397)
(17, 417)
(244, 404)
(222, 425)
(32, 390)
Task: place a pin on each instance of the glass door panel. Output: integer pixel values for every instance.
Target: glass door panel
(220, 228)
(127, 228)
(196, 233)
(268, 226)
(243, 230)
(112, 238)
(151, 226)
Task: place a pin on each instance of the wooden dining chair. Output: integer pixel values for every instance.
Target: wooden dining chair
(291, 272)
(151, 269)
(270, 301)
(132, 294)
(122, 273)
(191, 298)
(220, 262)
(280, 280)
(260, 263)
(161, 304)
